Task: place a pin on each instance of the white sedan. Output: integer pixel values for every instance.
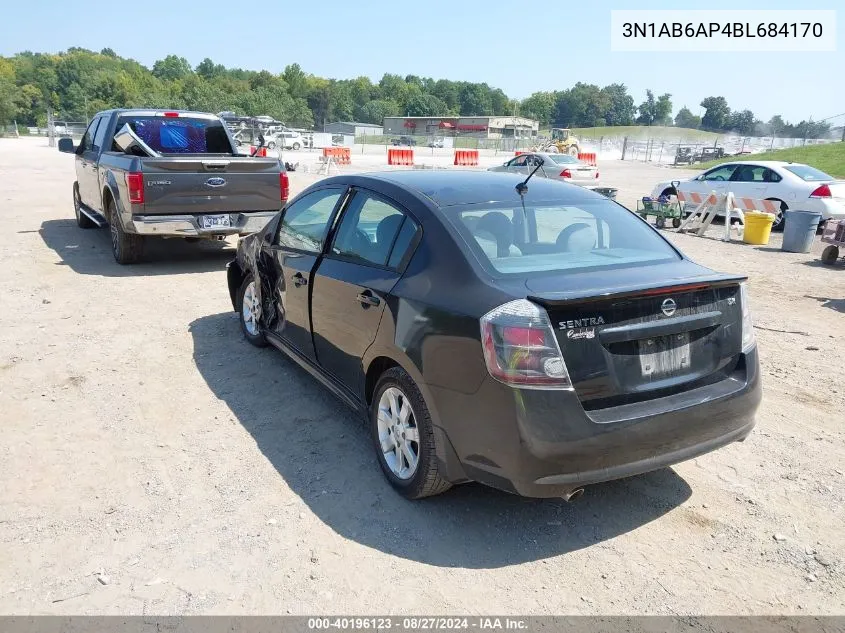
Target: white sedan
(555, 166)
(794, 185)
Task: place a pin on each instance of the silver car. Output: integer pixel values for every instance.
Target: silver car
(561, 167)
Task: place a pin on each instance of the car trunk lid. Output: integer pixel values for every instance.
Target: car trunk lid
(625, 344)
(207, 184)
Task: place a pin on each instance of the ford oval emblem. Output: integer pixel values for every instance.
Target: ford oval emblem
(668, 306)
(215, 182)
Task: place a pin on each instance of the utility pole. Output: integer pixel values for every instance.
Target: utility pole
(51, 132)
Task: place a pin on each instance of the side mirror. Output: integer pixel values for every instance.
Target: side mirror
(66, 145)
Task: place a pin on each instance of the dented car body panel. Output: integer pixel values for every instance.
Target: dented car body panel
(423, 316)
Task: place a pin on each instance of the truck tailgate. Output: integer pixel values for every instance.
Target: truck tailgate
(211, 185)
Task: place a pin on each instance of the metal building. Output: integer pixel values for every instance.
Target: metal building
(351, 128)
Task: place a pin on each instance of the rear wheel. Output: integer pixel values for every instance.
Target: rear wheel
(82, 220)
(249, 309)
(271, 145)
(780, 218)
(403, 437)
(676, 223)
(126, 247)
(830, 254)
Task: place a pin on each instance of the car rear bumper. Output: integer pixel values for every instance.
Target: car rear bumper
(544, 444)
(241, 223)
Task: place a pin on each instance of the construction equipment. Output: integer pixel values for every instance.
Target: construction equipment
(561, 141)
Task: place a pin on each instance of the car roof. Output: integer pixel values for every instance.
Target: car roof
(450, 188)
(762, 163)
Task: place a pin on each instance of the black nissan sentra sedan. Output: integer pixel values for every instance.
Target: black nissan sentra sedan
(535, 337)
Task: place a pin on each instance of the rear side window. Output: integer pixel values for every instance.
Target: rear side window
(810, 174)
(180, 135)
(595, 234)
(368, 230)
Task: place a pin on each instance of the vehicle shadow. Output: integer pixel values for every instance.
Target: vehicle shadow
(827, 302)
(324, 454)
(88, 252)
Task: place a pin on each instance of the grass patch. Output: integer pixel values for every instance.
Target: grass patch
(830, 158)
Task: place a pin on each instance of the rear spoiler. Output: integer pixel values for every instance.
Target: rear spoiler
(130, 143)
(620, 292)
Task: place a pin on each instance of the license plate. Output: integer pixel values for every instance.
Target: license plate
(214, 221)
(664, 355)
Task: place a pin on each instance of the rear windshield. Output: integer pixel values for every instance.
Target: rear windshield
(810, 174)
(595, 234)
(182, 135)
(564, 159)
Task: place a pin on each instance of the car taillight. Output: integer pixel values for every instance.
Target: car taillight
(822, 192)
(284, 186)
(749, 340)
(135, 185)
(566, 174)
(520, 348)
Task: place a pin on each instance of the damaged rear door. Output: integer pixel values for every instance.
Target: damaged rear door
(287, 272)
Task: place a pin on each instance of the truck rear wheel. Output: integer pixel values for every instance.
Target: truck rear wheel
(126, 247)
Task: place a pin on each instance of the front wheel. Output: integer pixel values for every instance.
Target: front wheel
(573, 150)
(82, 220)
(249, 309)
(271, 145)
(403, 437)
(126, 247)
(296, 146)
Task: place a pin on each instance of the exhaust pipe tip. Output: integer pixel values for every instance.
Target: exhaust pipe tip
(572, 496)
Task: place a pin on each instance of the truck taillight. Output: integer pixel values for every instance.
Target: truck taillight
(135, 185)
(566, 174)
(284, 186)
(520, 348)
(822, 192)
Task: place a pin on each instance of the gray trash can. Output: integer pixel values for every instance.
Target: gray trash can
(799, 230)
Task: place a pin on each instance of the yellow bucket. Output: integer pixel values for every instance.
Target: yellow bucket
(758, 227)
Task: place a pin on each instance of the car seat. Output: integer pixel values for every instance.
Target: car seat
(577, 238)
(386, 231)
(497, 224)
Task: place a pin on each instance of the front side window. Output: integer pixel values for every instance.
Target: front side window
(519, 161)
(723, 172)
(305, 222)
(368, 230)
(589, 235)
(87, 142)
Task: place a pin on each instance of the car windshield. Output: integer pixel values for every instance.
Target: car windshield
(590, 235)
(810, 174)
(179, 135)
(563, 159)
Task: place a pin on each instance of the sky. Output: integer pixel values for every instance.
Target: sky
(520, 47)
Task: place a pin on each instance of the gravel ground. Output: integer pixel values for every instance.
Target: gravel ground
(154, 463)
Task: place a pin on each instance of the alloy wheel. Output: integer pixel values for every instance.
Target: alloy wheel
(398, 434)
(251, 309)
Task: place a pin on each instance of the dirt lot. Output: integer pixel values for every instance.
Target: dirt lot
(153, 462)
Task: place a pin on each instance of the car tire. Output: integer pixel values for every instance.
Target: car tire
(126, 247)
(779, 222)
(82, 220)
(830, 254)
(296, 147)
(388, 430)
(271, 145)
(251, 327)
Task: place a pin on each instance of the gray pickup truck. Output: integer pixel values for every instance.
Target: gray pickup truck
(169, 174)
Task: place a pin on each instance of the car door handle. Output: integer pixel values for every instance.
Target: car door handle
(367, 299)
(299, 280)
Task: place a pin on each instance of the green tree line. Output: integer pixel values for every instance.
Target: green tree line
(77, 83)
